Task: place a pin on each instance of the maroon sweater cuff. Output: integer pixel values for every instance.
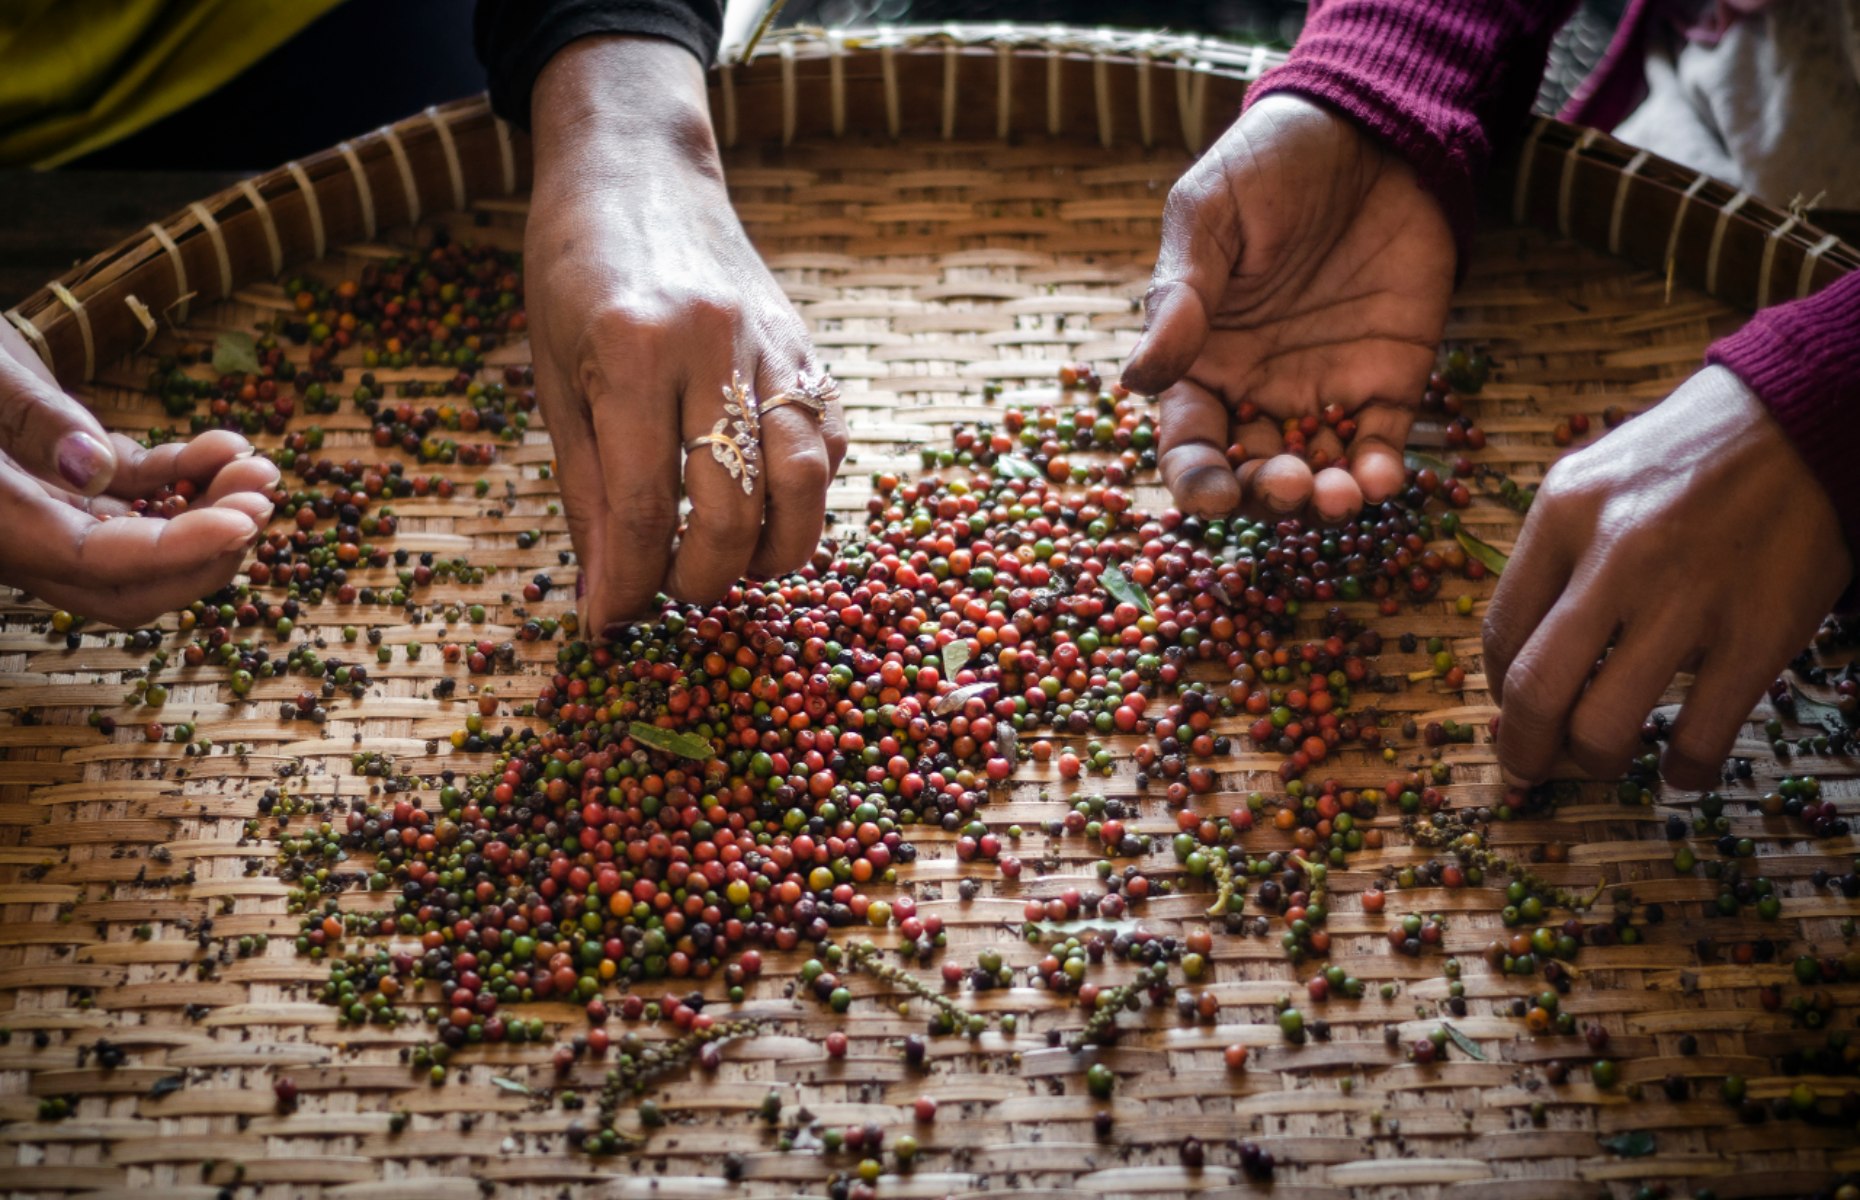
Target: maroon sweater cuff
(1439, 81)
(1802, 359)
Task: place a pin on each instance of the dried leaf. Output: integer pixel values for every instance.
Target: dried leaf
(1118, 584)
(511, 1085)
(166, 1085)
(1817, 714)
(952, 702)
(235, 353)
(1464, 1043)
(1630, 1145)
(1012, 466)
(955, 656)
(672, 741)
(1488, 554)
(1418, 460)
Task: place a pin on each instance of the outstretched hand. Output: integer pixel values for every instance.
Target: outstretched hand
(1656, 546)
(1302, 266)
(66, 491)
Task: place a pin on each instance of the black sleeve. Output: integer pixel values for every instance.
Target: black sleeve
(515, 38)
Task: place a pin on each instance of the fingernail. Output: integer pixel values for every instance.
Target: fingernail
(581, 587)
(84, 462)
(244, 542)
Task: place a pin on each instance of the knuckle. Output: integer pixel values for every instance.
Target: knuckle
(729, 524)
(807, 470)
(648, 517)
(1698, 752)
(1499, 642)
(1526, 705)
(20, 412)
(1562, 483)
(710, 313)
(623, 322)
(1595, 744)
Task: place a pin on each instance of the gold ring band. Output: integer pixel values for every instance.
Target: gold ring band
(785, 399)
(814, 391)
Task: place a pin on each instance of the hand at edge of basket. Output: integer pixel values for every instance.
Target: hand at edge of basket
(646, 301)
(1302, 265)
(78, 546)
(1648, 550)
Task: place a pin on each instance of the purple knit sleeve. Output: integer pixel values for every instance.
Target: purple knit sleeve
(1803, 360)
(1440, 81)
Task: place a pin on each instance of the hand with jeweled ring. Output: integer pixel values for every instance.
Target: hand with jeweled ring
(654, 328)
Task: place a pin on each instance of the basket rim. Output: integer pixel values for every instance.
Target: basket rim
(429, 153)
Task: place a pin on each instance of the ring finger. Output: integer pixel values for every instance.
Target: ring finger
(800, 468)
(725, 468)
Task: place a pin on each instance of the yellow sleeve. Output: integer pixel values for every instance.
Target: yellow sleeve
(76, 75)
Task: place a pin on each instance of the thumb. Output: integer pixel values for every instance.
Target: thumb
(1199, 249)
(45, 431)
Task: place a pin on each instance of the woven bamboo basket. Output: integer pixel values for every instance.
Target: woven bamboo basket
(947, 207)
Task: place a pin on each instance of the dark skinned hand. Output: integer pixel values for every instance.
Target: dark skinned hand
(644, 298)
(1301, 265)
(65, 492)
(1691, 538)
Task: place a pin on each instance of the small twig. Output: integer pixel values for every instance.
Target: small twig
(1103, 1019)
(870, 958)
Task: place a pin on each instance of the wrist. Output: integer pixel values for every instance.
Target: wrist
(622, 102)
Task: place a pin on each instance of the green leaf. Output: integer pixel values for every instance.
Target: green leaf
(1118, 584)
(672, 741)
(1630, 1145)
(511, 1085)
(1493, 558)
(1013, 466)
(235, 353)
(1464, 1043)
(955, 656)
(1817, 714)
(1420, 460)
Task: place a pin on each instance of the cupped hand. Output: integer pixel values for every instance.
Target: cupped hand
(1302, 266)
(645, 300)
(67, 534)
(1691, 538)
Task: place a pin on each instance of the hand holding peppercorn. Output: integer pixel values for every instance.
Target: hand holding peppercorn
(1691, 538)
(644, 298)
(68, 489)
(1303, 271)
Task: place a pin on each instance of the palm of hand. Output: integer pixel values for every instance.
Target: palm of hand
(1303, 271)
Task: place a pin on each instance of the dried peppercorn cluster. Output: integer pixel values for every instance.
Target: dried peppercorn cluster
(446, 307)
